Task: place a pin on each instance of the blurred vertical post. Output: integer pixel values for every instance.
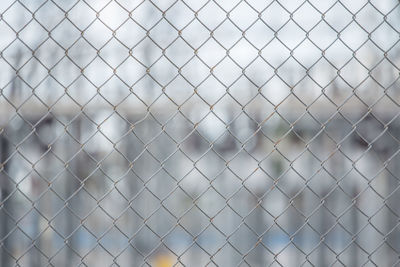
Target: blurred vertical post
(71, 192)
(5, 204)
(322, 220)
(133, 187)
(394, 237)
(354, 225)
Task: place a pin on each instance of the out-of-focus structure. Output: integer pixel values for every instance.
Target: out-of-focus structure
(199, 133)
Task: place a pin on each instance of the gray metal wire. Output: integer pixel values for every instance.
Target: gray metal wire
(199, 133)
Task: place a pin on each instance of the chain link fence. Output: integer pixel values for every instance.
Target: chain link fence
(199, 133)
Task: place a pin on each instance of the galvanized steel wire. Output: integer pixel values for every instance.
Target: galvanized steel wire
(199, 133)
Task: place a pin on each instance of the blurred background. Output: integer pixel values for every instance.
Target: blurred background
(199, 133)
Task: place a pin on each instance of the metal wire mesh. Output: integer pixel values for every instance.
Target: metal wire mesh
(199, 133)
